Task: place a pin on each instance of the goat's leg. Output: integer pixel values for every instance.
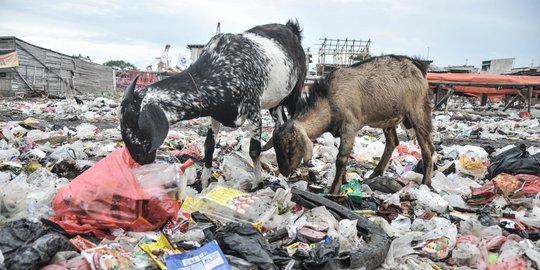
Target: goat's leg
(277, 114)
(428, 149)
(407, 127)
(345, 148)
(422, 127)
(255, 148)
(209, 146)
(392, 141)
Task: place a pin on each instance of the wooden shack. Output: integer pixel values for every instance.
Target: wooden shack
(335, 53)
(28, 70)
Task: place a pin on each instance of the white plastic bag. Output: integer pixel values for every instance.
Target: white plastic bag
(320, 219)
(471, 163)
(14, 194)
(348, 236)
(239, 170)
(453, 184)
(427, 200)
(400, 247)
(373, 151)
(86, 131)
(401, 225)
(9, 154)
(475, 228)
(37, 135)
(70, 152)
(466, 254)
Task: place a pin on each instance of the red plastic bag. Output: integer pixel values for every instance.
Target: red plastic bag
(108, 196)
(409, 150)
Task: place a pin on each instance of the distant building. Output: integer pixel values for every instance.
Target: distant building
(529, 71)
(196, 50)
(461, 69)
(497, 66)
(27, 69)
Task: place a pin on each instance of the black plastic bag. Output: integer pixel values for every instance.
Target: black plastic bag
(200, 218)
(515, 161)
(282, 259)
(30, 245)
(244, 241)
(321, 254)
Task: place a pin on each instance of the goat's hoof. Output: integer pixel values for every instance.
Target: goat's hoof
(309, 164)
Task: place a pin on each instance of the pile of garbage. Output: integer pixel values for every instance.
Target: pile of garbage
(71, 197)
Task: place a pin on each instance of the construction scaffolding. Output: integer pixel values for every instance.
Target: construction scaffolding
(334, 53)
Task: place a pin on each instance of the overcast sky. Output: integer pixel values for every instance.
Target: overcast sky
(456, 31)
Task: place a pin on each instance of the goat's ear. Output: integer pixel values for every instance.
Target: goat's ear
(154, 125)
(128, 93)
(307, 145)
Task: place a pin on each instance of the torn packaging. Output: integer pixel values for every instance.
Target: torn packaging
(511, 186)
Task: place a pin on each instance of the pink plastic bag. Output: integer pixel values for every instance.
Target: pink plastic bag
(108, 196)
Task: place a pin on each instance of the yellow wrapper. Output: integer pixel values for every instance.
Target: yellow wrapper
(163, 245)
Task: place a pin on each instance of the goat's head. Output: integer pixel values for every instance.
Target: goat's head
(143, 129)
(292, 145)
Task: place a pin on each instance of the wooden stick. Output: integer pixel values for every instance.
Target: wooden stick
(25, 82)
(516, 97)
(445, 98)
(529, 99)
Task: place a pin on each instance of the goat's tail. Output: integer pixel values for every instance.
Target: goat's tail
(295, 28)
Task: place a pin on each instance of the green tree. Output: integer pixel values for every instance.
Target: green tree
(120, 65)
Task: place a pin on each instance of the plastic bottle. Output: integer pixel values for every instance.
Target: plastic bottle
(188, 174)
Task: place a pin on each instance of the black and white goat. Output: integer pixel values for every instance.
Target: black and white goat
(235, 77)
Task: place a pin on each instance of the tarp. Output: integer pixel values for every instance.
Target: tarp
(483, 78)
(9, 60)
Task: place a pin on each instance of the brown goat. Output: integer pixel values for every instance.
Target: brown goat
(381, 92)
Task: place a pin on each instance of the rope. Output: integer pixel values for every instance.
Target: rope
(198, 91)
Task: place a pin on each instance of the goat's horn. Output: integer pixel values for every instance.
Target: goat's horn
(131, 88)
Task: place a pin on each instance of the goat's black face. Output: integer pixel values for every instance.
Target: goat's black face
(143, 130)
(137, 144)
(289, 148)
